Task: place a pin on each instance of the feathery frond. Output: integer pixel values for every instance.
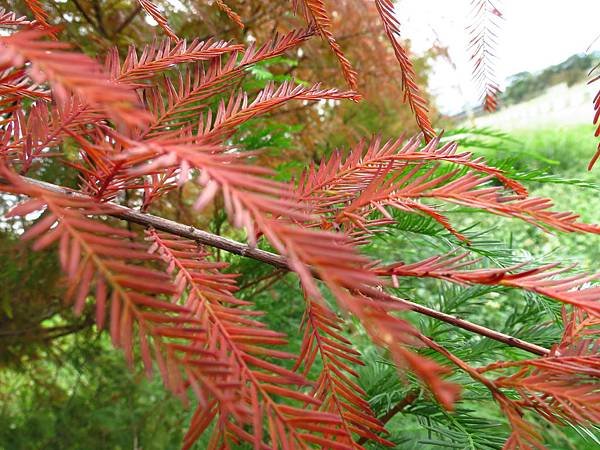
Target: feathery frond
(10, 19)
(574, 290)
(348, 192)
(596, 119)
(161, 56)
(153, 11)
(370, 158)
(234, 333)
(40, 14)
(412, 93)
(45, 127)
(316, 13)
(482, 47)
(233, 16)
(335, 388)
(233, 112)
(69, 73)
(102, 261)
(16, 84)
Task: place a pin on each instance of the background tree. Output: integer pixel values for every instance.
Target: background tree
(143, 151)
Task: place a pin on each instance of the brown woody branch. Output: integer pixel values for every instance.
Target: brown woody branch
(396, 409)
(99, 18)
(238, 248)
(127, 20)
(85, 15)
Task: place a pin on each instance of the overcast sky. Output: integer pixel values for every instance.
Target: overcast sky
(533, 35)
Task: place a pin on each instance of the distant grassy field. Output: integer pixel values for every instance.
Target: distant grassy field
(563, 152)
(558, 105)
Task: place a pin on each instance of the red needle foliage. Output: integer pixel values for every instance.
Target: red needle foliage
(412, 95)
(596, 115)
(235, 17)
(69, 74)
(9, 18)
(483, 43)
(241, 343)
(162, 21)
(167, 115)
(358, 193)
(571, 290)
(40, 14)
(315, 12)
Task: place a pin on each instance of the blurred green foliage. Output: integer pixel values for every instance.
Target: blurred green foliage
(81, 395)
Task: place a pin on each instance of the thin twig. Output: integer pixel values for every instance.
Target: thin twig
(238, 248)
(259, 280)
(99, 18)
(127, 20)
(397, 408)
(85, 15)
